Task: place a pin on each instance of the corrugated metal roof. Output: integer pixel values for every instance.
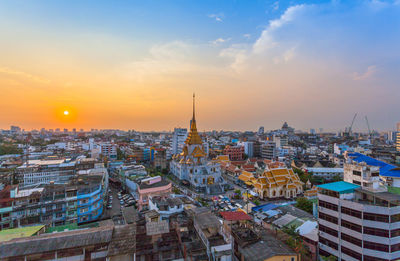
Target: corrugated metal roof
(340, 186)
(385, 169)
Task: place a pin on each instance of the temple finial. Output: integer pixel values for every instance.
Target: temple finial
(193, 107)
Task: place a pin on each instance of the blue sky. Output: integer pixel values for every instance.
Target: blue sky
(311, 63)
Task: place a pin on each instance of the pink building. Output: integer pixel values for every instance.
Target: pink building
(150, 187)
(235, 152)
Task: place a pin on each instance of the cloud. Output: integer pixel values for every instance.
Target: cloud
(266, 40)
(247, 36)
(371, 70)
(8, 71)
(217, 17)
(219, 41)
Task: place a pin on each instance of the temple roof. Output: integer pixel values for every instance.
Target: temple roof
(193, 136)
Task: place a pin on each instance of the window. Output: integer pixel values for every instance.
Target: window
(328, 230)
(351, 253)
(351, 239)
(395, 248)
(376, 217)
(356, 182)
(327, 205)
(357, 173)
(329, 193)
(376, 232)
(394, 218)
(328, 243)
(351, 226)
(351, 212)
(83, 210)
(395, 233)
(371, 258)
(376, 246)
(328, 218)
(84, 201)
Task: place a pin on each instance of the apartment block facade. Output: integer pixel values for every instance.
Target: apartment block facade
(79, 201)
(359, 218)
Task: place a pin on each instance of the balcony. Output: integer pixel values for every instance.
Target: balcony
(328, 249)
(328, 211)
(380, 254)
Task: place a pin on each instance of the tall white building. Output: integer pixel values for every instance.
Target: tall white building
(109, 150)
(398, 137)
(192, 165)
(268, 150)
(248, 148)
(359, 218)
(178, 140)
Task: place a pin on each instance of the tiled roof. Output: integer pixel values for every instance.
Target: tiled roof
(234, 215)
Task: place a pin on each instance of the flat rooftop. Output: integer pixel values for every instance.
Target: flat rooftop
(8, 234)
(341, 187)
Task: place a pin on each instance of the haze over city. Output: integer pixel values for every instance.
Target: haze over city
(135, 64)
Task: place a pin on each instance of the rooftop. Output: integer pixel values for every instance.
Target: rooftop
(234, 215)
(55, 241)
(341, 187)
(267, 247)
(8, 234)
(145, 185)
(385, 169)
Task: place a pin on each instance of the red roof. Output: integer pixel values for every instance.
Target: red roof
(234, 215)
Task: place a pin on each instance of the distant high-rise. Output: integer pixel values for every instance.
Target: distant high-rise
(261, 130)
(398, 137)
(178, 140)
(15, 129)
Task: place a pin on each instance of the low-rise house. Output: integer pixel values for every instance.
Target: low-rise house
(150, 187)
(105, 242)
(248, 246)
(209, 229)
(166, 206)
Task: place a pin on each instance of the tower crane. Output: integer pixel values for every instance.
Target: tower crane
(351, 126)
(369, 129)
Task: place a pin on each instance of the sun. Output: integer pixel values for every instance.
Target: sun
(66, 113)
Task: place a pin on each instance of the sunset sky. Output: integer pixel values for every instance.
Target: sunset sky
(135, 64)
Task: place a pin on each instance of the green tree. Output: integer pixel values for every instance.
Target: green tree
(9, 149)
(304, 204)
(120, 154)
(337, 178)
(329, 258)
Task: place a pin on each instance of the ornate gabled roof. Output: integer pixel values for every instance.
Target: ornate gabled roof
(279, 177)
(184, 151)
(193, 136)
(198, 152)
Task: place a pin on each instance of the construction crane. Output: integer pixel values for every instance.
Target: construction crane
(351, 126)
(369, 129)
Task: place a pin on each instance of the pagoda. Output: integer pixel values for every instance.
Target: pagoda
(193, 166)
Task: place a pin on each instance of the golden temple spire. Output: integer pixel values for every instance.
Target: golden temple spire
(193, 118)
(193, 136)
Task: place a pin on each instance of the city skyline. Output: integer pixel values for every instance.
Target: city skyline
(126, 66)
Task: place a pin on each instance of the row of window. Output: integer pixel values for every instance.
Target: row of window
(328, 205)
(358, 242)
(359, 214)
(355, 255)
(328, 218)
